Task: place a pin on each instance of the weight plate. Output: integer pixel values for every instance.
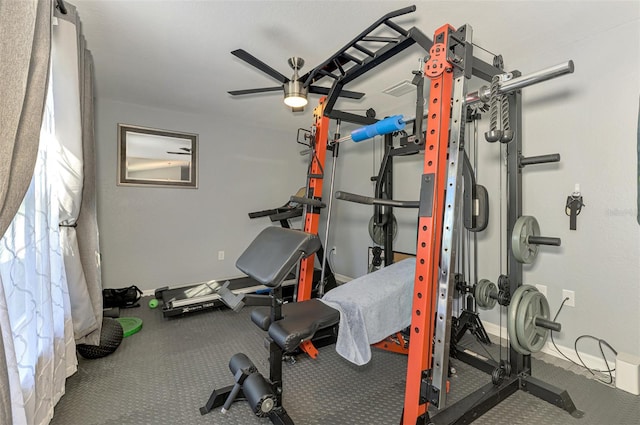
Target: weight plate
(483, 291)
(512, 316)
(522, 250)
(531, 337)
(377, 232)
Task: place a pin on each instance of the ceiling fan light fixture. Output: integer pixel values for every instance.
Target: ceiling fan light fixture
(295, 95)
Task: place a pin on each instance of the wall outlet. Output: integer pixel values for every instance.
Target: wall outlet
(572, 297)
(542, 289)
(220, 255)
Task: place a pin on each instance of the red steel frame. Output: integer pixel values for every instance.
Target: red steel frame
(439, 70)
(312, 217)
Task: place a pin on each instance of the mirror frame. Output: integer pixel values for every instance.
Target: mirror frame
(123, 180)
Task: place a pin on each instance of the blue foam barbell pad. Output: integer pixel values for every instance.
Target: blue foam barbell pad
(385, 126)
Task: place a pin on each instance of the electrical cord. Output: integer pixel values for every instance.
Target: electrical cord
(582, 364)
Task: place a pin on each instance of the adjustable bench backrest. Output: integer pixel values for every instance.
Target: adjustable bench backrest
(274, 252)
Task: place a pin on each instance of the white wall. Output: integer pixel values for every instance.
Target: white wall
(154, 237)
(591, 119)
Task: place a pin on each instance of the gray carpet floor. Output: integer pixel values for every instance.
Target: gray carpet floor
(166, 372)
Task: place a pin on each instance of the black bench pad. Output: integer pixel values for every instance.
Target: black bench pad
(274, 252)
(301, 321)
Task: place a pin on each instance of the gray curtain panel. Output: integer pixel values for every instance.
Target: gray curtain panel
(25, 31)
(87, 300)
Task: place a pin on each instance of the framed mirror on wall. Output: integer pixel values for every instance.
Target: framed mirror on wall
(153, 157)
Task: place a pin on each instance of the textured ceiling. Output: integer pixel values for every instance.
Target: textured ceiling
(176, 54)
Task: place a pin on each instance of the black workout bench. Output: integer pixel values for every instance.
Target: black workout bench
(268, 259)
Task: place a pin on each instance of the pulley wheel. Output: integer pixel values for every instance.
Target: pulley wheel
(483, 291)
(522, 250)
(527, 304)
(377, 232)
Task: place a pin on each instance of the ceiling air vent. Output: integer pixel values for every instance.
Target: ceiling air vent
(399, 89)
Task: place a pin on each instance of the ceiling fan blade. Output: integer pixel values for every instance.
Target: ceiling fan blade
(253, 61)
(180, 153)
(343, 93)
(186, 149)
(253, 91)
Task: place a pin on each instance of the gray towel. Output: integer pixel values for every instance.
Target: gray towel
(371, 308)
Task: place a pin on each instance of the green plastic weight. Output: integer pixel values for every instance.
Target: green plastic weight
(153, 303)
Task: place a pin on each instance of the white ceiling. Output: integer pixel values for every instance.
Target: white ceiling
(176, 54)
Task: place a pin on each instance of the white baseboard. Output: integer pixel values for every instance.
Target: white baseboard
(592, 361)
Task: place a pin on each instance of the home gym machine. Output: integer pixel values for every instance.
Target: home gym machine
(450, 63)
(448, 66)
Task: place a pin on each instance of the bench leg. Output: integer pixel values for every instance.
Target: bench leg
(217, 398)
(280, 417)
(275, 368)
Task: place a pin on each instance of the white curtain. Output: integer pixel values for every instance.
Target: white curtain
(35, 313)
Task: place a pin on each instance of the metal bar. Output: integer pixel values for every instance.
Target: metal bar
(550, 394)
(476, 360)
(217, 399)
(367, 200)
(357, 38)
(382, 55)
(519, 362)
(429, 232)
(376, 39)
(544, 240)
(351, 58)
(453, 198)
(338, 66)
(326, 232)
(483, 70)
(364, 50)
(537, 77)
(541, 159)
(523, 81)
(315, 185)
(328, 74)
(396, 27)
(387, 187)
(349, 117)
(547, 324)
(476, 404)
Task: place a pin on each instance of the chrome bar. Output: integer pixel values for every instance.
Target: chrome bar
(523, 81)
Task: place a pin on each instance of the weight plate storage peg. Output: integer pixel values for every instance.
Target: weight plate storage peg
(483, 290)
(528, 321)
(524, 251)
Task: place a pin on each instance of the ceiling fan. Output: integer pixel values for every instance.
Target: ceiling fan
(187, 151)
(295, 91)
